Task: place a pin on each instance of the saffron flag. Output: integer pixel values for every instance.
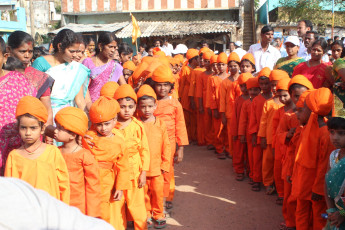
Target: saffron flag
(136, 30)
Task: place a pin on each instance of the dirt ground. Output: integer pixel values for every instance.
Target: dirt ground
(208, 197)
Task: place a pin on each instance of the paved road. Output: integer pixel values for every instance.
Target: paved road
(208, 197)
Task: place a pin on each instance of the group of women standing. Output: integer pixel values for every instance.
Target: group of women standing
(57, 79)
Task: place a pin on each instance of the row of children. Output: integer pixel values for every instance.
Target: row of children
(121, 168)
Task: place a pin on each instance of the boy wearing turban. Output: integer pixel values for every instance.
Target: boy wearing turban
(171, 112)
(138, 156)
(83, 169)
(266, 131)
(160, 156)
(35, 162)
(311, 160)
(111, 154)
(254, 90)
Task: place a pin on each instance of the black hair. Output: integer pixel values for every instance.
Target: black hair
(296, 86)
(232, 43)
(253, 66)
(41, 123)
(2, 46)
(316, 34)
(336, 37)
(165, 40)
(125, 49)
(321, 42)
(238, 63)
(308, 23)
(105, 38)
(14, 64)
(81, 39)
(17, 38)
(88, 39)
(266, 29)
(153, 83)
(157, 39)
(336, 123)
(147, 49)
(145, 97)
(341, 44)
(127, 99)
(190, 60)
(66, 38)
(143, 45)
(38, 52)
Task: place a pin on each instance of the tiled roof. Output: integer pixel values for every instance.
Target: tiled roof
(85, 28)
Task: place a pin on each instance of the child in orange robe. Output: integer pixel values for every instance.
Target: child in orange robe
(239, 156)
(128, 69)
(170, 111)
(254, 125)
(185, 82)
(229, 91)
(266, 131)
(213, 102)
(107, 145)
(243, 131)
(311, 161)
(160, 156)
(35, 162)
(138, 157)
(83, 169)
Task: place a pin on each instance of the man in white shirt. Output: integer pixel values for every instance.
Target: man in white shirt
(303, 27)
(309, 40)
(167, 48)
(265, 55)
(238, 49)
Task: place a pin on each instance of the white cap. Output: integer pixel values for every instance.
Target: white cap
(180, 49)
(238, 43)
(292, 39)
(329, 52)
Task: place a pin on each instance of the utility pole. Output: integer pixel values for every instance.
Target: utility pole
(32, 19)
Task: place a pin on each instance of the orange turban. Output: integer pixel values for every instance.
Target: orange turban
(160, 54)
(73, 119)
(249, 57)
(320, 102)
(234, 57)
(32, 106)
(265, 72)
(283, 84)
(301, 99)
(204, 50)
(191, 53)
(173, 61)
(244, 77)
(129, 65)
(103, 109)
(301, 80)
(222, 58)
(252, 83)
(146, 90)
(163, 73)
(109, 89)
(140, 71)
(179, 57)
(278, 74)
(214, 59)
(155, 50)
(147, 59)
(125, 91)
(207, 55)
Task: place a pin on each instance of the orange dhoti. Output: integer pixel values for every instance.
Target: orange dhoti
(238, 157)
(267, 166)
(154, 197)
(250, 161)
(289, 206)
(169, 180)
(230, 145)
(218, 135)
(207, 119)
(200, 129)
(257, 163)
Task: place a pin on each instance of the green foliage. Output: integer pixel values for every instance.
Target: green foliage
(295, 10)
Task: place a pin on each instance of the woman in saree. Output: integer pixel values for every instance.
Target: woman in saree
(13, 86)
(21, 46)
(335, 177)
(71, 78)
(289, 63)
(103, 66)
(315, 69)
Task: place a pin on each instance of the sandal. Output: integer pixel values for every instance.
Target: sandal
(168, 204)
(240, 177)
(270, 189)
(256, 187)
(161, 223)
(166, 214)
(149, 222)
(251, 182)
(280, 201)
(221, 156)
(210, 147)
(282, 226)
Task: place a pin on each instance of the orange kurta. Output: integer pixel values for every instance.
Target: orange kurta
(47, 172)
(84, 182)
(266, 131)
(160, 157)
(112, 157)
(171, 112)
(254, 124)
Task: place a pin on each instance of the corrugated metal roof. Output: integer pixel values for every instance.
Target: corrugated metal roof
(177, 28)
(85, 28)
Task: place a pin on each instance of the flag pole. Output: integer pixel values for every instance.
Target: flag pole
(136, 45)
(332, 19)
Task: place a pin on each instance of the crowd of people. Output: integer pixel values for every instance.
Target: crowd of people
(100, 129)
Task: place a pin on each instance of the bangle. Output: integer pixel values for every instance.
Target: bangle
(331, 210)
(342, 212)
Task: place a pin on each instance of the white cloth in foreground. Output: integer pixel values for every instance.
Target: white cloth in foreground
(24, 207)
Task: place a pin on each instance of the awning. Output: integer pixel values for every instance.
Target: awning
(178, 28)
(91, 28)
